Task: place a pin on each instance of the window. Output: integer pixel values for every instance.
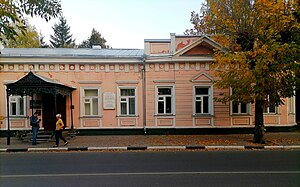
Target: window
(165, 100)
(202, 100)
(240, 108)
(90, 102)
(292, 105)
(127, 101)
(270, 110)
(17, 105)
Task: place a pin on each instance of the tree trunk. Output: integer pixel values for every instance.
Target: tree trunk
(259, 123)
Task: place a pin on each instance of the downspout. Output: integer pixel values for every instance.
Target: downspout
(144, 95)
(8, 127)
(72, 123)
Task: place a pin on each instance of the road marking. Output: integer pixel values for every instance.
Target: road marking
(106, 148)
(150, 173)
(165, 147)
(224, 147)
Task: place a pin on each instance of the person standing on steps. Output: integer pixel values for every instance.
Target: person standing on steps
(58, 131)
(35, 124)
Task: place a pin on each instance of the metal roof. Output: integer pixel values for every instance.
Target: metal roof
(34, 83)
(67, 52)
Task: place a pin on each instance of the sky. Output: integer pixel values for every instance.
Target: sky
(123, 23)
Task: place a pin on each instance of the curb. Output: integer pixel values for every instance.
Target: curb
(130, 148)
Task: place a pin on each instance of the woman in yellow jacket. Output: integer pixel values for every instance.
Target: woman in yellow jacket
(58, 131)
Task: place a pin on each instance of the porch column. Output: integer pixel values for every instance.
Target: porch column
(55, 104)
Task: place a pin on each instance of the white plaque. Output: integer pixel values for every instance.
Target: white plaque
(109, 101)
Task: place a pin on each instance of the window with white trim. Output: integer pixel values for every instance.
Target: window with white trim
(240, 108)
(202, 100)
(17, 105)
(292, 105)
(165, 100)
(90, 101)
(270, 110)
(127, 101)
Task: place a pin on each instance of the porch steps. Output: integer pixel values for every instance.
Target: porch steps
(45, 136)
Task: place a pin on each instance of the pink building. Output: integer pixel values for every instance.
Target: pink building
(168, 85)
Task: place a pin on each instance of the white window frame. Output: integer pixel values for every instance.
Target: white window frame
(173, 112)
(83, 98)
(248, 107)
(210, 100)
(16, 99)
(119, 97)
(268, 110)
(292, 105)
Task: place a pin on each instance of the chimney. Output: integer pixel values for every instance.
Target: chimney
(173, 44)
(96, 47)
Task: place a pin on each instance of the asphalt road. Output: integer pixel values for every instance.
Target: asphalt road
(199, 168)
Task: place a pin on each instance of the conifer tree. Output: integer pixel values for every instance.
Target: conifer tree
(62, 37)
(94, 39)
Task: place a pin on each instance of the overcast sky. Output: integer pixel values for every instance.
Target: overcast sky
(123, 23)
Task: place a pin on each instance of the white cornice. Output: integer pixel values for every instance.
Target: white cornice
(209, 59)
(68, 61)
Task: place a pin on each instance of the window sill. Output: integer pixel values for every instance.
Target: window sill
(241, 115)
(159, 115)
(202, 115)
(127, 116)
(16, 117)
(90, 116)
(271, 114)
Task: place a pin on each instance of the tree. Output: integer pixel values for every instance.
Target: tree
(262, 57)
(29, 40)
(12, 15)
(62, 37)
(43, 44)
(94, 39)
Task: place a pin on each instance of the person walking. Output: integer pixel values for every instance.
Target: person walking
(35, 124)
(58, 131)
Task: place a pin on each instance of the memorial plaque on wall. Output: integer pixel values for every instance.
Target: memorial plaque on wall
(109, 101)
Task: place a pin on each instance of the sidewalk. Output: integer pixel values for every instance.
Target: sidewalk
(274, 140)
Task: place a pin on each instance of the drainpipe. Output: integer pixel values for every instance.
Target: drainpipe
(72, 123)
(144, 95)
(8, 125)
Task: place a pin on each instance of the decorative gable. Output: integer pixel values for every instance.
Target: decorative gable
(203, 46)
(30, 78)
(201, 49)
(203, 78)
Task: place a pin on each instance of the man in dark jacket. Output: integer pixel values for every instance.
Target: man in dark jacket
(35, 124)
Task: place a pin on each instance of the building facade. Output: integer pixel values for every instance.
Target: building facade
(169, 84)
